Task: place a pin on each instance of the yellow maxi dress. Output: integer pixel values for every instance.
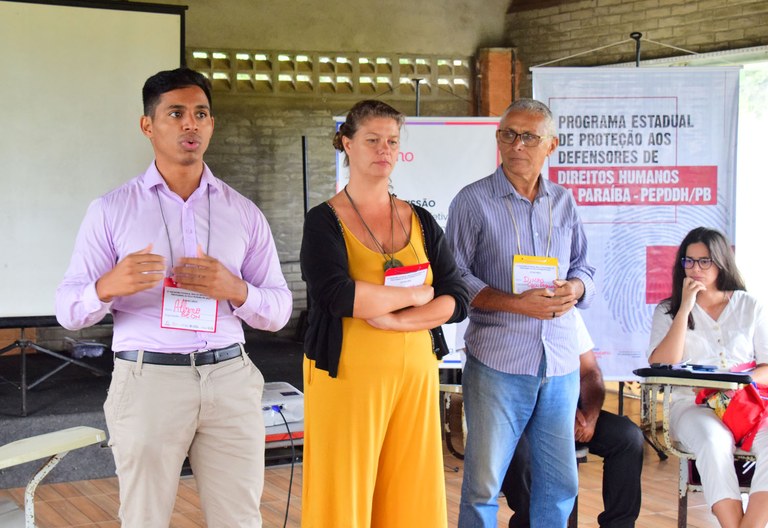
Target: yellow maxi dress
(373, 451)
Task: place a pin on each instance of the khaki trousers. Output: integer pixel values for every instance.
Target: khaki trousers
(157, 415)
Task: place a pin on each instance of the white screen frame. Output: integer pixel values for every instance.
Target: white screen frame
(72, 78)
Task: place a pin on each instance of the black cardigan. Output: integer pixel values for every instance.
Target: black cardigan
(331, 291)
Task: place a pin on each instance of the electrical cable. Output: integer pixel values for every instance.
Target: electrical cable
(278, 409)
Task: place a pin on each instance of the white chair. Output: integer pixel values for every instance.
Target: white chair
(53, 446)
(651, 388)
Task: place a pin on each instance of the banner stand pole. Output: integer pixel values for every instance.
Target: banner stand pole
(636, 35)
(418, 97)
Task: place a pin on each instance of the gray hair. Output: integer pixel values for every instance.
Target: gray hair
(534, 107)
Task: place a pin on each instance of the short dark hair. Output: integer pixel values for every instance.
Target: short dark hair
(728, 276)
(168, 80)
(361, 112)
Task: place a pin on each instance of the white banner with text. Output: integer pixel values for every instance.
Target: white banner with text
(649, 154)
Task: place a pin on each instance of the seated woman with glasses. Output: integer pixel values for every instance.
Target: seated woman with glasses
(711, 319)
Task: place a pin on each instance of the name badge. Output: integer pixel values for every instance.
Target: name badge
(406, 276)
(187, 310)
(529, 272)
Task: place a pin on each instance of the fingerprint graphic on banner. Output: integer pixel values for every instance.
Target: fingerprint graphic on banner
(638, 256)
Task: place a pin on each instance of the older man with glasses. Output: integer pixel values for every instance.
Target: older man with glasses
(521, 248)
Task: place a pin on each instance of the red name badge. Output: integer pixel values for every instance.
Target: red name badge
(406, 276)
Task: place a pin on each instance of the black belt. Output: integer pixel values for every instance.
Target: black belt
(206, 357)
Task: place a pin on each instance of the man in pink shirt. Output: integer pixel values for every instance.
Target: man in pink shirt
(180, 259)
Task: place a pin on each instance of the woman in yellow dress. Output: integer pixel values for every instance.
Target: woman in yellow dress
(372, 446)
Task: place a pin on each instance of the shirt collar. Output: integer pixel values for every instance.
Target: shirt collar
(502, 187)
(152, 178)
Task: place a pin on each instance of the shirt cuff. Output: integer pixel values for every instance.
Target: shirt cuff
(474, 286)
(246, 310)
(589, 288)
(91, 302)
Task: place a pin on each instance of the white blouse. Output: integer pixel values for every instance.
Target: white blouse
(739, 335)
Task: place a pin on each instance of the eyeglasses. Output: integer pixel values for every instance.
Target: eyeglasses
(704, 263)
(507, 135)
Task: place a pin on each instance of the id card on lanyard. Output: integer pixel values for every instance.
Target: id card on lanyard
(187, 310)
(406, 276)
(529, 272)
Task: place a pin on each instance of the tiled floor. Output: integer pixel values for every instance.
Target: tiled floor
(91, 504)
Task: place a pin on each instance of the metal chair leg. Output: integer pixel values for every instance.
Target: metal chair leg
(682, 493)
(29, 492)
(682, 511)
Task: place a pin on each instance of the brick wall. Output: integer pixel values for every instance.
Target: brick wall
(495, 72)
(574, 26)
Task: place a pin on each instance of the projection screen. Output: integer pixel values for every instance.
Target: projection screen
(70, 84)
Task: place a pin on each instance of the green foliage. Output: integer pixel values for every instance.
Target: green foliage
(754, 90)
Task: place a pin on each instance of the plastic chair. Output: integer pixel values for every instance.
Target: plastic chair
(53, 446)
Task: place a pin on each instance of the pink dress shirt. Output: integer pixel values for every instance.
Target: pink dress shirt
(129, 218)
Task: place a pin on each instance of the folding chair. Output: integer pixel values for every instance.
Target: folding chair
(53, 446)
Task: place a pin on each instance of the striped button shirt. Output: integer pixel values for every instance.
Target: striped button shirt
(484, 240)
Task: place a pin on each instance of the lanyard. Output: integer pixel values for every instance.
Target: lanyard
(390, 262)
(168, 233)
(517, 231)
